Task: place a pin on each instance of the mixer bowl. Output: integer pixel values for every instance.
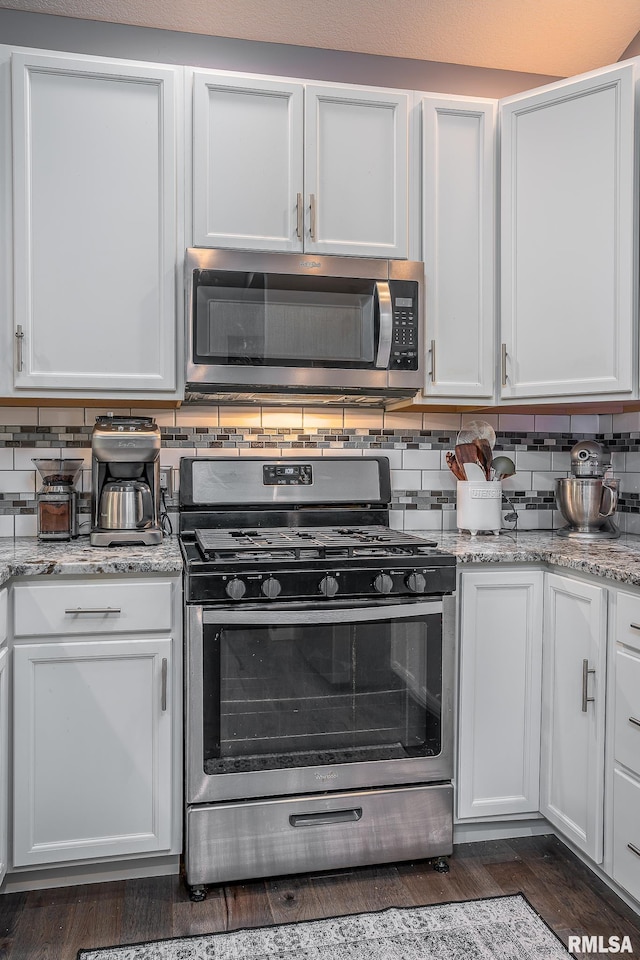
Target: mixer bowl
(586, 503)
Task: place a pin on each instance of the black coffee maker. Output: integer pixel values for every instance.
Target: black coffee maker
(125, 498)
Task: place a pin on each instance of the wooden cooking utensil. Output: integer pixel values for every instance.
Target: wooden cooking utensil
(467, 453)
(485, 455)
(454, 466)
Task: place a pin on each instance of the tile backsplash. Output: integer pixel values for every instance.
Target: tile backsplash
(424, 489)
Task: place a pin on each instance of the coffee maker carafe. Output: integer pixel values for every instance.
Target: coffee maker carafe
(125, 499)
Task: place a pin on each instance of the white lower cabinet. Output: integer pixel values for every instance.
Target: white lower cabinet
(4, 759)
(97, 719)
(92, 758)
(500, 676)
(573, 711)
(625, 822)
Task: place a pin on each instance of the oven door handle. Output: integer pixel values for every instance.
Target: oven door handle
(269, 616)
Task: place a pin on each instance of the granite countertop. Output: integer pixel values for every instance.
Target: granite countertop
(614, 559)
(27, 556)
(617, 560)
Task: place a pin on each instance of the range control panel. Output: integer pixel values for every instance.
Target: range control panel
(285, 475)
(404, 343)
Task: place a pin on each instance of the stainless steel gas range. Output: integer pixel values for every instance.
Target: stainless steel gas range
(319, 682)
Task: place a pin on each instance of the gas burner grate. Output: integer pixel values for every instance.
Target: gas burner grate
(286, 543)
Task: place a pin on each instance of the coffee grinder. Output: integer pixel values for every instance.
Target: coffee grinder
(125, 497)
(57, 499)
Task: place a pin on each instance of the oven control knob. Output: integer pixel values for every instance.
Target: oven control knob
(235, 589)
(271, 588)
(328, 586)
(416, 582)
(383, 583)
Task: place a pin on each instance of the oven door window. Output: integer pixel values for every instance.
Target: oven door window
(293, 696)
(271, 320)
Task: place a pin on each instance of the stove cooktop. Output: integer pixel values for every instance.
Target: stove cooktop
(319, 563)
(289, 543)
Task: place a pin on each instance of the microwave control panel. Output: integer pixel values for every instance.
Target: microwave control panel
(404, 340)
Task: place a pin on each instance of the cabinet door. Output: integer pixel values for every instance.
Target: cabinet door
(569, 260)
(6, 227)
(247, 163)
(92, 749)
(4, 760)
(355, 171)
(573, 711)
(95, 226)
(500, 676)
(458, 189)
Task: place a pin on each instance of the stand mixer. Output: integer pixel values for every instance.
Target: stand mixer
(589, 498)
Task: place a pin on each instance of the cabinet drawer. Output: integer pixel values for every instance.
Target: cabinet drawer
(628, 619)
(626, 832)
(627, 713)
(69, 609)
(3, 615)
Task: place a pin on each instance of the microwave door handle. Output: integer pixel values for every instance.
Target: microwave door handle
(385, 326)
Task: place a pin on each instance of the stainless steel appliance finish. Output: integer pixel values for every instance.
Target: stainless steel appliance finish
(269, 326)
(589, 459)
(330, 831)
(320, 662)
(125, 493)
(589, 498)
(125, 505)
(588, 504)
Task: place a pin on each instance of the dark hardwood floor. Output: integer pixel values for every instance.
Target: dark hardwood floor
(55, 924)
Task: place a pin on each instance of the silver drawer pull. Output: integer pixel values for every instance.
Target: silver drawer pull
(163, 696)
(634, 720)
(72, 611)
(586, 670)
(634, 849)
(635, 626)
(326, 818)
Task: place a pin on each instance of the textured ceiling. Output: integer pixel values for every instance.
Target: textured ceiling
(553, 37)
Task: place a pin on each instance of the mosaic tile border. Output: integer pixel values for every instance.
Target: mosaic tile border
(422, 484)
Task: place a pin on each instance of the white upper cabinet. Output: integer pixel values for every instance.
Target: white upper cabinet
(247, 162)
(355, 166)
(280, 165)
(458, 245)
(95, 226)
(569, 253)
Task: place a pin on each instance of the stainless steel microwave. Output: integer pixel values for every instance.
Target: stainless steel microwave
(271, 325)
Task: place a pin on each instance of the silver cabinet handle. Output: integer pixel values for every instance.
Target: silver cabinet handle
(163, 697)
(586, 670)
(72, 611)
(635, 626)
(312, 222)
(503, 364)
(433, 361)
(633, 720)
(385, 313)
(299, 216)
(19, 347)
(634, 849)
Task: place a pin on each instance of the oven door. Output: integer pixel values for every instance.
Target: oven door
(284, 701)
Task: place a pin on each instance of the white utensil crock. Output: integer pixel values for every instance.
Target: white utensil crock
(479, 504)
